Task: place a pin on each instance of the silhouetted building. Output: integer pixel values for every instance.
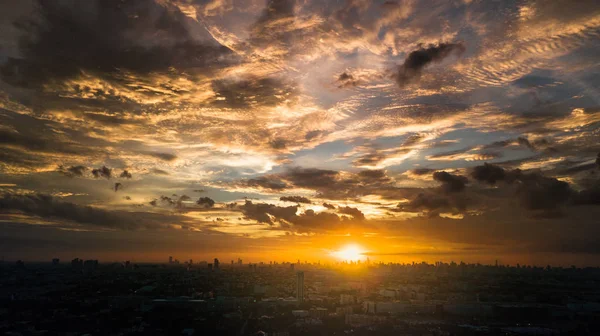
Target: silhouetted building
(90, 265)
(216, 263)
(55, 261)
(210, 267)
(170, 259)
(300, 286)
(77, 264)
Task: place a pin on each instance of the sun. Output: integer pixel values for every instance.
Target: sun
(349, 253)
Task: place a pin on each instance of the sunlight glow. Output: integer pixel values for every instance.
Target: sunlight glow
(349, 253)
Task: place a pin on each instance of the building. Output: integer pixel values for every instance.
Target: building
(55, 261)
(347, 299)
(90, 265)
(216, 264)
(77, 264)
(170, 259)
(300, 286)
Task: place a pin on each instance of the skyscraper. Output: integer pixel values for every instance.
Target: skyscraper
(300, 286)
(216, 263)
(170, 259)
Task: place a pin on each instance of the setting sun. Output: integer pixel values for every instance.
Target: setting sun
(349, 253)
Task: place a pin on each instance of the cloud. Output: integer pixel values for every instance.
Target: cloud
(328, 206)
(267, 213)
(537, 192)
(430, 202)
(488, 173)
(73, 171)
(125, 174)
(102, 172)
(346, 80)
(295, 199)
(101, 37)
(533, 190)
(118, 186)
(159, 171)
(450, 182)
(354, 212)
(205, 202)
(330, 184)
(267, 183)
(251, 92)
(47, 206)
(309, 221)
(417, 60)
(163, 156)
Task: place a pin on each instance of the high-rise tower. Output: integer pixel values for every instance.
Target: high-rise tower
(300, 286)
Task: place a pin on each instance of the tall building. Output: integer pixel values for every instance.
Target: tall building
(77, 264)
(170, 259)
(55, 261)
(300, 286)
(216, 263)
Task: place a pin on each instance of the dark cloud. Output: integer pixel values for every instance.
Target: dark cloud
(102, 172)
(329, 206)
(73, 171)
(534, 191)
(346, 80)
(267, 213)
(417, 60)
(159, 171)
(295, 199)
(488, 173)
(312, 178)
(118, 186)
(271, 28)
(537, 192)
(166, 199)
(205, 202)
(369, 159)
(332, 184)
(598, 160)
(590, 196)
(50, 207)
(26, 133)
(309, 221)
(163, 156)
(125, 174)
(250, 92)
(525, 142)
(267, 183)
(426, 201)
(278, 143)
(450, 182)
(106, 37)
(354, 212)
(422, 171)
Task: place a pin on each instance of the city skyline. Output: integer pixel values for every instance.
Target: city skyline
(274, 130)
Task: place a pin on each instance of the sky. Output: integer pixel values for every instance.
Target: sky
(287, 129)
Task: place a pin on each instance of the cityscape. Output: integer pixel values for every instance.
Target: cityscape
(299, 167)
(87, 297)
